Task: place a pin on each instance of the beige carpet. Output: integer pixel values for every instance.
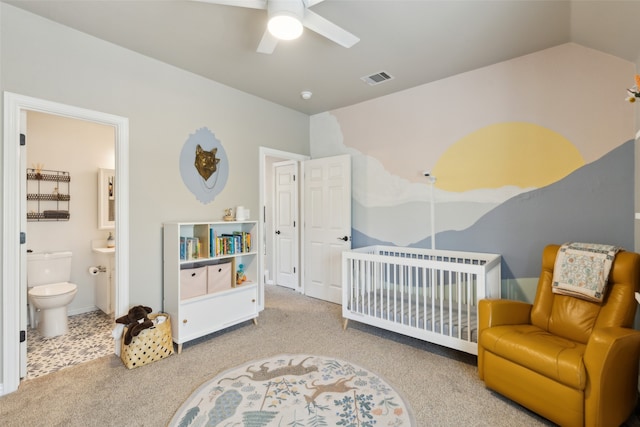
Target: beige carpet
(441, 385)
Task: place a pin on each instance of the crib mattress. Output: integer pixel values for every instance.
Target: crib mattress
(445, 319)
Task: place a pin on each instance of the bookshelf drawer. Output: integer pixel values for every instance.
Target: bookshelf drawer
(218, 277)
(193, 282)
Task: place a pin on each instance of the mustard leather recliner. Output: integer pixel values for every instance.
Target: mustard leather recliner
(572, 361)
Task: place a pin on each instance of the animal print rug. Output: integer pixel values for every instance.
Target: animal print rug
(295, 390)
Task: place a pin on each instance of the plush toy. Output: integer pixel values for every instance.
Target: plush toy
(135, 321)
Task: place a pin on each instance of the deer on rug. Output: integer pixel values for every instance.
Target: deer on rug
(340, 386)
(264, 374)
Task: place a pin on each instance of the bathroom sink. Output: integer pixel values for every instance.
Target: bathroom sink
(104, 250)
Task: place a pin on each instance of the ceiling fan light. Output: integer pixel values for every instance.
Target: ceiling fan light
(284, 26)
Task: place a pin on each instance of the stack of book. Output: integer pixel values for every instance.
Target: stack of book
(229, 244)
(189, 248)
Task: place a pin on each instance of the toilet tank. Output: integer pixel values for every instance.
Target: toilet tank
(48, 267)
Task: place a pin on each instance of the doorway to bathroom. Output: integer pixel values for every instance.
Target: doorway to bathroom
(15, 239)
(64, 213)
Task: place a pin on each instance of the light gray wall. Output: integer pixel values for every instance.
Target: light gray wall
(164, 105)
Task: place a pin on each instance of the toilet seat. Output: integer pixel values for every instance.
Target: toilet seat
(52, 289)
(48, 307)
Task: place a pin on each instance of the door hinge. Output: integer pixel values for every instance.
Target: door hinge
(23, 336)
(294, 178)
(294, 223)
(294, 270)
(23, 139)
(23, 237)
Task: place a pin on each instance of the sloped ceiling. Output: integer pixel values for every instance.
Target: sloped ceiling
(416, 41)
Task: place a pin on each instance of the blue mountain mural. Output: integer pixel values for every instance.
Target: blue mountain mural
(592, 204)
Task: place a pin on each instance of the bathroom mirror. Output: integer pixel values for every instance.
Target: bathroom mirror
(106, 199)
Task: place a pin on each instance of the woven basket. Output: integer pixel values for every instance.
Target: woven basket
(151, 344)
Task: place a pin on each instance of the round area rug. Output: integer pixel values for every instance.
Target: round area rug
(295, 390)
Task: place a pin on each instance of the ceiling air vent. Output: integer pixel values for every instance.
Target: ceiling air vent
(377, 78)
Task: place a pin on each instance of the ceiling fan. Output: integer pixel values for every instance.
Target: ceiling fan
(286, 19)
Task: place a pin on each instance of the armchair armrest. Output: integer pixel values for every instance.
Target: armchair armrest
(496, 312)
(611, 361)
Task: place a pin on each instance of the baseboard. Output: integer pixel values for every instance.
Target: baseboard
(82, 310)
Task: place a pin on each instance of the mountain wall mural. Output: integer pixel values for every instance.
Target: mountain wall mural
(535, 150)
(592, 204)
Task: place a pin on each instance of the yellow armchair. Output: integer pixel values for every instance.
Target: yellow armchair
(572, 361)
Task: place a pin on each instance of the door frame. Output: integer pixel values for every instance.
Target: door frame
(11, 217)
(263, 153)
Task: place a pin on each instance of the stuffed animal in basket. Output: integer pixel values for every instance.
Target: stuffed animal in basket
(135, 321)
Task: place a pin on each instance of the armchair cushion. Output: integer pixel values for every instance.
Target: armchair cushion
(550, 355)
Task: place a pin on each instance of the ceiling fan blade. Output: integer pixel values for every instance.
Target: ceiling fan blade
(328, 29)
(252, 4)
(268, 43)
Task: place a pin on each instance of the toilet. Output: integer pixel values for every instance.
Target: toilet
(49, 292)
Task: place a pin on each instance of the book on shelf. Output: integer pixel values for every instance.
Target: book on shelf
(190, 248)
(243, 240)
(212, 246)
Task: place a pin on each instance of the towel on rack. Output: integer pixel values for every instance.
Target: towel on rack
(56, 214)
(582, 270)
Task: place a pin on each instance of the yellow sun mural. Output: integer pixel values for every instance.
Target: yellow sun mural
(507, 154)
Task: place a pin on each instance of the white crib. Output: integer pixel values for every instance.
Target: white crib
(426, 294)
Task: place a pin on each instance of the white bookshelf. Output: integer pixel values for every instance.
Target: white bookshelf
(216, 251)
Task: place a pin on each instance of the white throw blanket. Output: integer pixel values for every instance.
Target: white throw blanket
(582, 270)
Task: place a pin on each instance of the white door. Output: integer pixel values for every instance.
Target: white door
(23, 247)
(286, 224)
(327, 225)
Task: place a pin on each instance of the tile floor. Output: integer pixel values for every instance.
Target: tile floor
(89, 337)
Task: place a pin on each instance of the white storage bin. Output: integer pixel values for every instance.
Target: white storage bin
(193, 282)
(218, 277)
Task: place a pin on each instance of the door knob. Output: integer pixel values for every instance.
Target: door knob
(345, 238)
(278, 232)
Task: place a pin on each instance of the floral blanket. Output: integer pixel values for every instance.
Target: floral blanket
(582, 270)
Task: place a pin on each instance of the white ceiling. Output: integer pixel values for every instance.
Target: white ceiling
(416, 41)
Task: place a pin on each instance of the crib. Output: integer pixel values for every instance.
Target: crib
(427, 294)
